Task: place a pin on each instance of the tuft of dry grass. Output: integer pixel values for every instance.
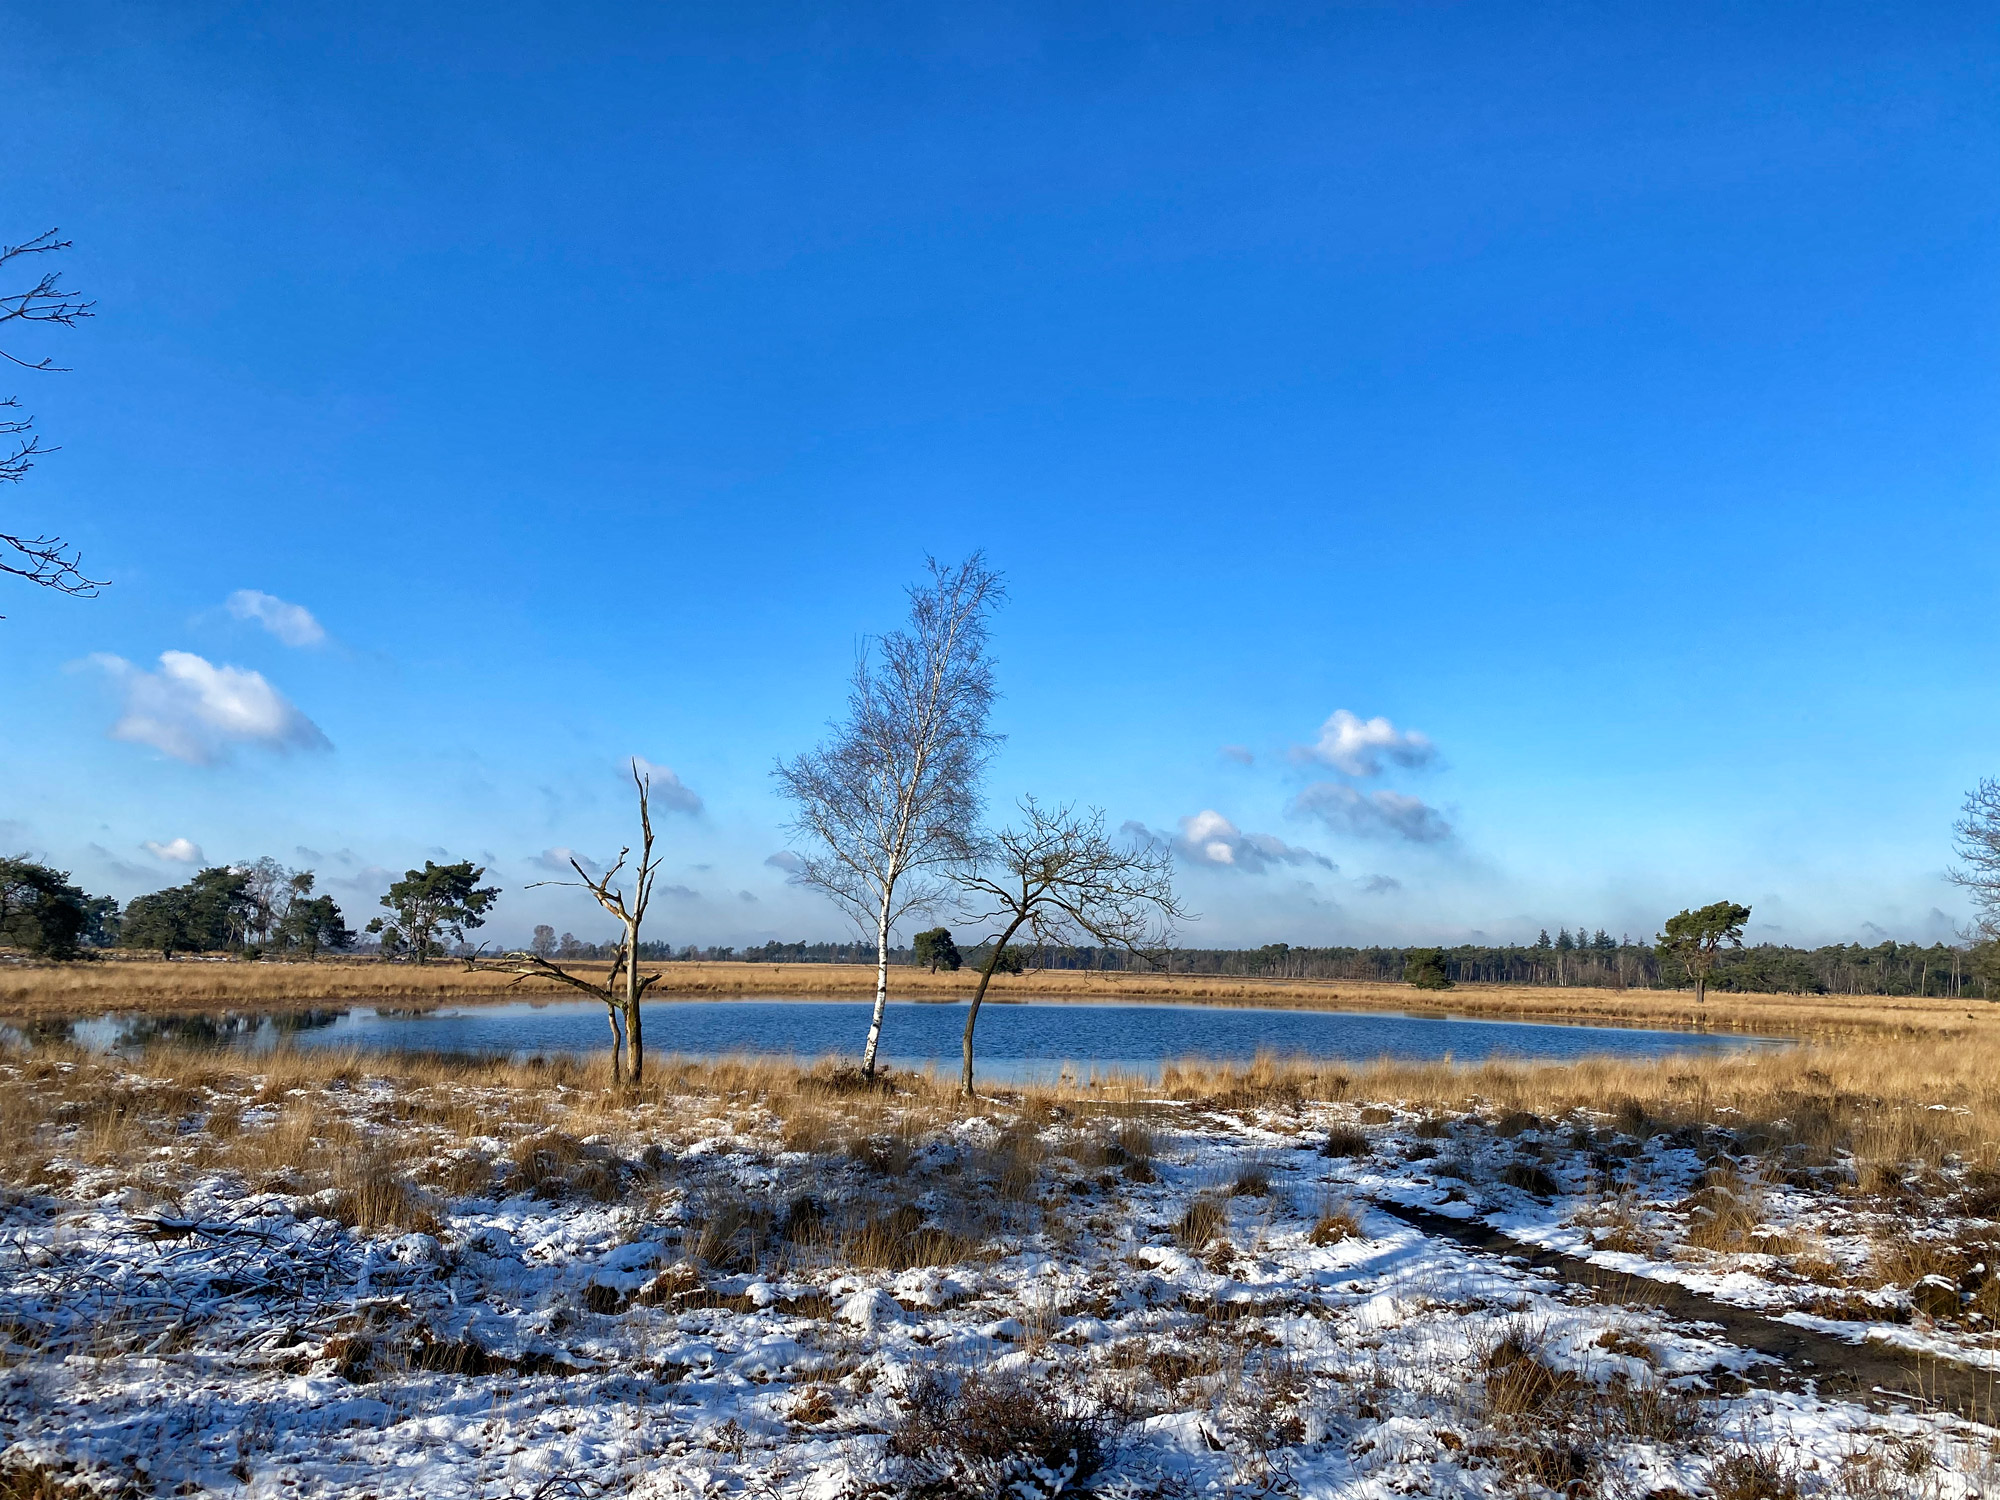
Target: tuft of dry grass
(1521, 1386)
(1752, 1475)
(1343, 1141)
(1206, 1217)
(1724, 1210)
(372, 1194)
(1336, 1222)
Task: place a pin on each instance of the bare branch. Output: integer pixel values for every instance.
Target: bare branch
(1978, 831)
(40, 558)
(1059, 875)
(629, 907)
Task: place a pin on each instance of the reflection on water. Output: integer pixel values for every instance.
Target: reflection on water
(1016, 1041)
(233, 1029)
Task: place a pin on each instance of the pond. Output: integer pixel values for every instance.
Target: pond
(1017, 1041)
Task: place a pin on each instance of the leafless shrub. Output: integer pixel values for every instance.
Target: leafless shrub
(984, 1435)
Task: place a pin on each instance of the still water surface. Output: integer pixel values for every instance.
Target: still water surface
(1016, 1041)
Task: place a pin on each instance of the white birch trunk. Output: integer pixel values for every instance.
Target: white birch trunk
(881, 988)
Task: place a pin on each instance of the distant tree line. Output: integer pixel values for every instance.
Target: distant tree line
(249, 910)
(1600, 962)
(262, 908)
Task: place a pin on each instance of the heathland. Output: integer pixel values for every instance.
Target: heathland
(323, 1274)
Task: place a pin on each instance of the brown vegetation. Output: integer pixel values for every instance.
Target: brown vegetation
(120, 984)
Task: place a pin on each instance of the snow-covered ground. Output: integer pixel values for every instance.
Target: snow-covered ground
(1174, 1298)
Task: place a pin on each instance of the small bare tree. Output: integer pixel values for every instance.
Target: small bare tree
(621, 999)
(892, 798)
(1061, 877)
(40, 558)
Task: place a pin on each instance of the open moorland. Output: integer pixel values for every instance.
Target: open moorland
(1752, 1277)
(118, 984)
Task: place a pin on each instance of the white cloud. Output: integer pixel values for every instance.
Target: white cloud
(1239, 753)
(787, 861)
(1208, 838)
(196, 711)
(1358, 746)
(1372, 814)
(1381, 885)
(291, 623)
(668, 790)
(175, 851)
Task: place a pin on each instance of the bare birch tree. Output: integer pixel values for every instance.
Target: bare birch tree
(621, 1001)
(892, 797)
(1061, 877)
(1978, 830)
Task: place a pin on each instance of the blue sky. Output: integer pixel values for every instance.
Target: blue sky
(1602, 395)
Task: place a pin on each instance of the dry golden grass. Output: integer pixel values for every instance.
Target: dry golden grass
(386, 1136)
(1899, 1104)
(122, 984)
(1906, 1105)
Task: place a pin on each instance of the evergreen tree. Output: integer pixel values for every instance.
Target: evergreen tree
(434, 902)
(40, 910)
(1427, 969)
(935, 949)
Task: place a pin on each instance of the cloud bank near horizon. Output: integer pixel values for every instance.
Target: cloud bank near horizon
(1210, 840)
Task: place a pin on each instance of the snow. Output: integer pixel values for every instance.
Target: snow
(239, 1341)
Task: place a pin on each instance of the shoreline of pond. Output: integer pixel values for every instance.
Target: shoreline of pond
(1022, 1038)
(1589, 1009)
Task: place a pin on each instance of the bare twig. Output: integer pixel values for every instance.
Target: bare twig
(1061, 877)
(627, 1037)
(41, 558)
(891, 799)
